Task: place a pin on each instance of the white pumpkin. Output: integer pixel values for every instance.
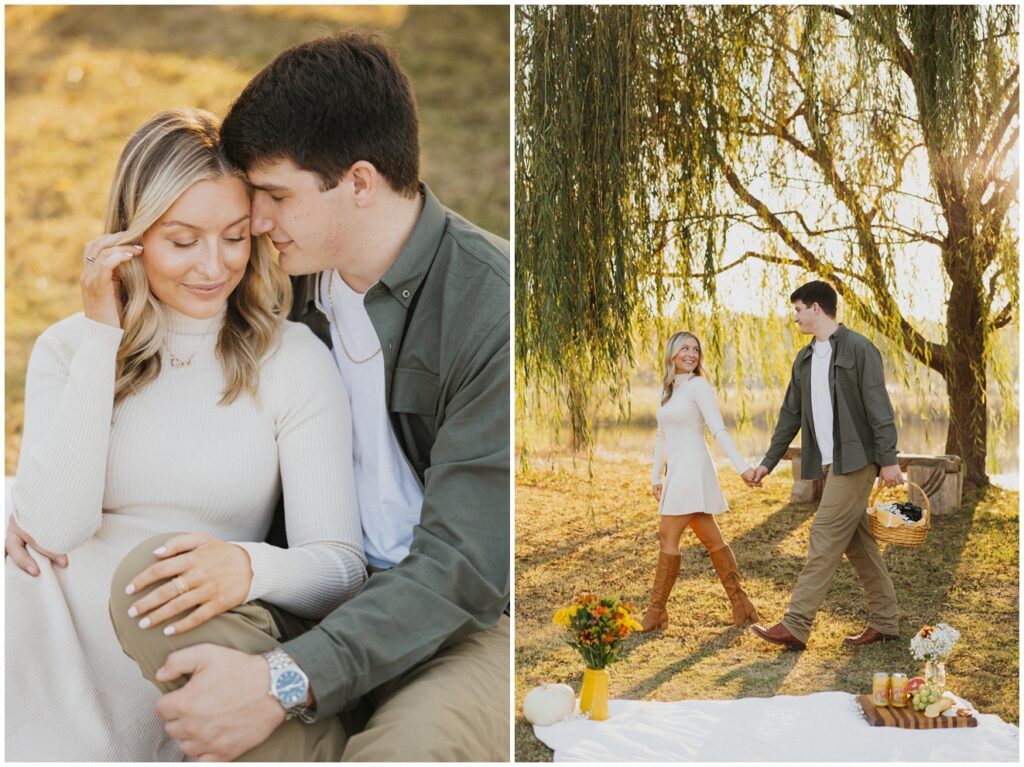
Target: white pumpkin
(548, 704)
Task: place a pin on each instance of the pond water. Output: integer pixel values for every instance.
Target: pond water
(635, 439)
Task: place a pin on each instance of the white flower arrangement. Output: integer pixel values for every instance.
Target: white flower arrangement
(934, 643)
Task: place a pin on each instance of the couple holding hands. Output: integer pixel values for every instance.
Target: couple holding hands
(272, 515)
(837, 400)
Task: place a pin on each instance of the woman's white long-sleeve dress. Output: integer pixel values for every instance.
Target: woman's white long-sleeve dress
(691, 484)
(95, 480)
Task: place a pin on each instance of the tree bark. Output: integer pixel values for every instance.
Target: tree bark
(966, 378)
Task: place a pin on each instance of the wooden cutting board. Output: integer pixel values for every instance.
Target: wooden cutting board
(907, 718)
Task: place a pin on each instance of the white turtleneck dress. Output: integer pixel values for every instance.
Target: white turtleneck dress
(95, 480)
(691, 484)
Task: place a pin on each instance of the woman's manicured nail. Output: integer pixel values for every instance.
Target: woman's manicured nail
(160, 551)
(129, 589)
(144, 623)
(33, 571)
(169, 630)
(132, 612)
(137, 247)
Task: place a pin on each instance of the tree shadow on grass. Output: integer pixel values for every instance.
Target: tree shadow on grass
(762, 678)
(923, 577)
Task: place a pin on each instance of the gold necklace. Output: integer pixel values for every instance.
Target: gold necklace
(181, 362)
(337, 326)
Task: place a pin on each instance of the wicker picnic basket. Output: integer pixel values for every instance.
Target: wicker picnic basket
(905, 535)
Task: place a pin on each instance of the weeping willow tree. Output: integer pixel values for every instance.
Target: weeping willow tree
(834, 142)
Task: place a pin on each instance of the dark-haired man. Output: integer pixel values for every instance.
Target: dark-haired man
(414, 302)
(837, 400)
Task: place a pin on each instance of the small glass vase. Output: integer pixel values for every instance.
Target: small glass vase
(935, 674)
(594, 695)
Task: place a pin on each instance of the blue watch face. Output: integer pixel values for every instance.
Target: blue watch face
(290, 688)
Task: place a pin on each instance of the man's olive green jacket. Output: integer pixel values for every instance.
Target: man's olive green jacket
(863, 425)
(442, 315)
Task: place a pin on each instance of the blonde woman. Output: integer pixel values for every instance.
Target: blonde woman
(689, 494)
(169, 404)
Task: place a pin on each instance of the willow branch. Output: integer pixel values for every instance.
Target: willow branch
(983, 161)
(931, 354)
(770, 259)
(1004, 317)
(992, 286)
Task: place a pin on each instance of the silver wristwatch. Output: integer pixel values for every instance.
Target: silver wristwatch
(289, 685)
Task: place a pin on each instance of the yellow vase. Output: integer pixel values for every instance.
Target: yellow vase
(594, 695)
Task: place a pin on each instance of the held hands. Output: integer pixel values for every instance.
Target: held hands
(16, 545)
(656, 492)
(891, 476)
(200, 572)
(101, 289)
(754, 476)
(224, 710)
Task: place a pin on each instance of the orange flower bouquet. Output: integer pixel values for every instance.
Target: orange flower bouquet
(599, 627)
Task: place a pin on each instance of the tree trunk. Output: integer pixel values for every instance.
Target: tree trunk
(966, 381)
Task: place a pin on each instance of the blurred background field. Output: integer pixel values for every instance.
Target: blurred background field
(80, 79)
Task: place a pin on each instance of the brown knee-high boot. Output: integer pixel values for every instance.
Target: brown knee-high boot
(725, 565)
(656, 616)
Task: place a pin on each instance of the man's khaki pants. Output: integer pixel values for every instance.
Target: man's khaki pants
(452, 707)
(840, 527)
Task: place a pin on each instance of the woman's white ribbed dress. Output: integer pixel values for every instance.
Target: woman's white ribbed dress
(691, 484)
(95, 480)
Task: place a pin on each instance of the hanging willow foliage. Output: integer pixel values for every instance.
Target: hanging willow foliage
(651, 141)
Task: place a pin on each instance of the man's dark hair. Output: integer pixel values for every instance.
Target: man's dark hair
(817, 292)
(325, 105)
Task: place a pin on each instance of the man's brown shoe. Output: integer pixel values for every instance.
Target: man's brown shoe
(869, 636)
(778, 634)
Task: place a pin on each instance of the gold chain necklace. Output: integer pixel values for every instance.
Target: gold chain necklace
(337, 326)
(181, 362)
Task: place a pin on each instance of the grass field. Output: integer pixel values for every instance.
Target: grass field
(80, 79)
(574, 536)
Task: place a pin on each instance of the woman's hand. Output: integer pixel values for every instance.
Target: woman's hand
(101, 288)
(750, 477)
(656, 491)
(203, 574)
(16, 545)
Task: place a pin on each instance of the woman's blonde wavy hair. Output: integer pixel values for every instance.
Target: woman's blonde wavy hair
(671, 349)
(164, 158)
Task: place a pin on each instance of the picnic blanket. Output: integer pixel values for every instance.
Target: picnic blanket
(826, 726)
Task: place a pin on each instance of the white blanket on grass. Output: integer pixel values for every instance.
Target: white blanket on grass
(826, 726)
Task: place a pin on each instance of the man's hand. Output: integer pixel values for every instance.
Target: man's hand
(16, 545)
(760, 472)
(891, 476)
(225, 709)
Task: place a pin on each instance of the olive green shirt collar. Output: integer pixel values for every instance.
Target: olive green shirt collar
(835, 339)
(404, 276)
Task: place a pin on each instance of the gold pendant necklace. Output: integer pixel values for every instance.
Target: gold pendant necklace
(180, 362)
(337, 325)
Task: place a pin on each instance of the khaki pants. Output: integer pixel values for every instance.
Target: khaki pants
(452, 707)
(840, 527)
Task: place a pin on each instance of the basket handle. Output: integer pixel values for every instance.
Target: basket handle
(924, 495)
